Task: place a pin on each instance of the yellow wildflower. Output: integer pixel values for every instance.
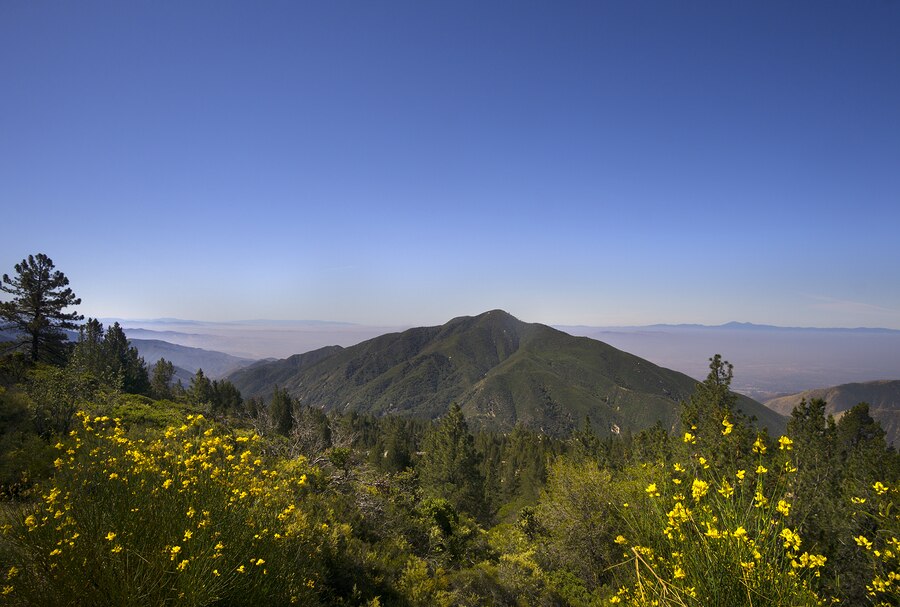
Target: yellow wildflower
(880, 488)
(726, 490)
(740, 474)
(712, 532)
(728, 426)
(690, 438)
(783, 507)
(760, 500)
(761, 469)
(110, 536)
(651, 490)
(699, 489)
(759, 446)
(785, 443)
(791, 539)
(861, 540)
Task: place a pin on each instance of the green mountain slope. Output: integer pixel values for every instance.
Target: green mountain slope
(883, 398)
(502, 372)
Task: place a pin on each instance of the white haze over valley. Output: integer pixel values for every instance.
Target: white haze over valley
(768, 361)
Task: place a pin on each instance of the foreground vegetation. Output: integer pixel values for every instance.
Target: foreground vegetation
(119, 488)
(135, 500)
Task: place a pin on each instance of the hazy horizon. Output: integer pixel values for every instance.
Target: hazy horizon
(769, 361)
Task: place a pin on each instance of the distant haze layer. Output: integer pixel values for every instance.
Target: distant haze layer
(768, 361)
(253, 339)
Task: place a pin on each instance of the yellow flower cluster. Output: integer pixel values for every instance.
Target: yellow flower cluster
(189, 500)
(735, 524)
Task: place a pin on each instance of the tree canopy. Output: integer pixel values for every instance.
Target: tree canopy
(36, 311)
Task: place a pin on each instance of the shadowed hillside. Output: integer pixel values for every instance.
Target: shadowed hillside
(502, 371)
(883, 398)
(214, 364)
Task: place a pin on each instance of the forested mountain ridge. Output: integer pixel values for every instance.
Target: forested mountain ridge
(502, 372)
(883, 398)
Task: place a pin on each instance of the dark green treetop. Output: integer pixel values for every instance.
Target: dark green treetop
(36, 311)
(110, 357)
(450, 465)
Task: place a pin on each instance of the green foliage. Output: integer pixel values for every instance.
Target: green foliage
(348, 509)
(56, 394)
(175, 519)
(109, 357)
(281, 410)
(161, 379)
(576, 521)
(450, 465)
(40, 296)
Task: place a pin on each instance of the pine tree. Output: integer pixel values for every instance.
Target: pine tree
(125, 361)
(161, 378)
(200, 391)
(40, 295)
(281, 411)
(110, 358)
(450, 466)
(711, 419)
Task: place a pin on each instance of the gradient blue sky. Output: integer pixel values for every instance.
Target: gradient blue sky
(379, 162)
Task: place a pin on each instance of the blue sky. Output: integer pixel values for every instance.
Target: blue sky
(406, 162)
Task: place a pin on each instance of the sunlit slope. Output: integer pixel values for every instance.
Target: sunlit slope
(500, 370)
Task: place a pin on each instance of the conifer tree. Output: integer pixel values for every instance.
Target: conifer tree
(281, 411)
(110, 358)
(125, 360)
(200, 391)
(711, 419)
(449, 468)
(161, 378)
(40, 294)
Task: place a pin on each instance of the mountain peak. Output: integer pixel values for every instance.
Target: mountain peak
(503, 372)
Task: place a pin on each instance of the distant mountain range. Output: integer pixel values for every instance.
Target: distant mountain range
(883, 398)
(501, 370)
(730, 326)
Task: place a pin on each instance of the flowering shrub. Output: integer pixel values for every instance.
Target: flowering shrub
(880, 513)
(702, 536)
(193, 516)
